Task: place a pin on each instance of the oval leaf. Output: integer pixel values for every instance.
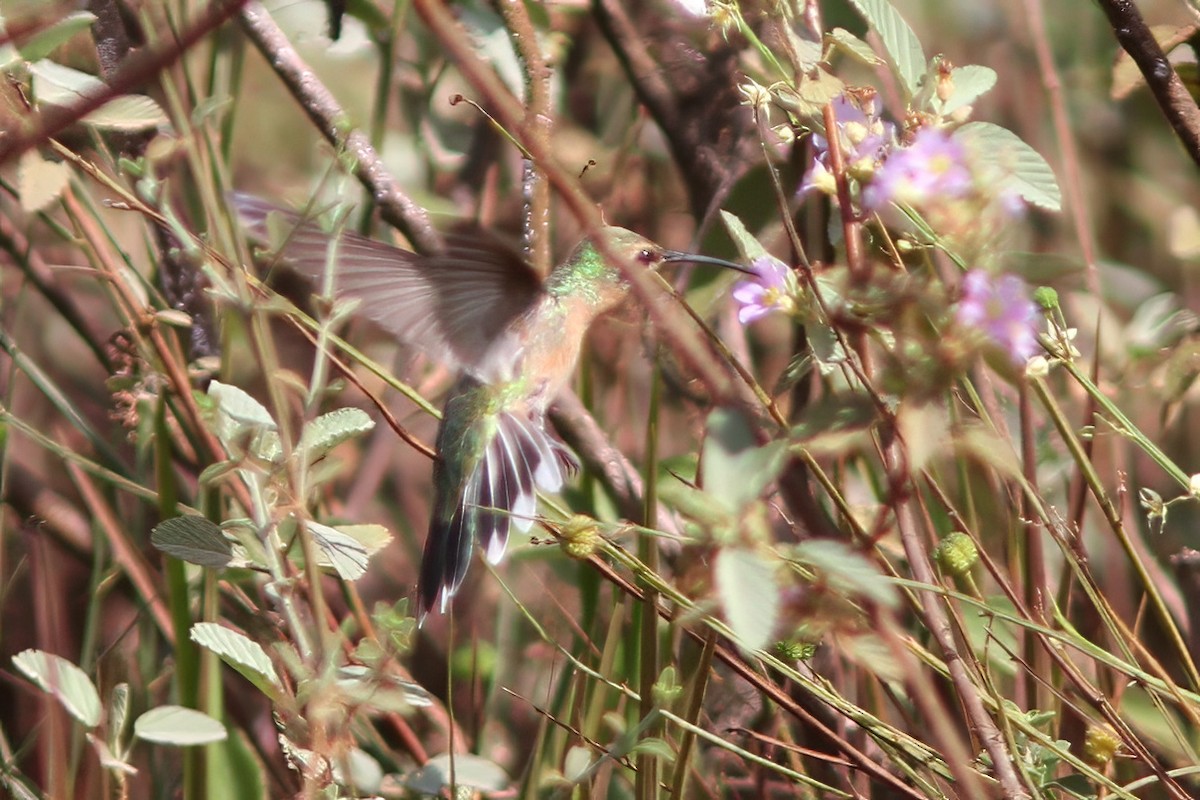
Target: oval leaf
(736, 469)
(41, 43)
(329, 430)
(193, 539)
(236, 649)
(57, 676)
(238, 405)
(848, 570)
(902, 45)
(128, 112)
(970, 83)
(749, 595)
(1021, 169)
(339, 550)
(469, 770)
(178, 726)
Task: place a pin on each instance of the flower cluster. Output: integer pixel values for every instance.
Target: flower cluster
(932, 169)
(1000, 308)
(864, 139)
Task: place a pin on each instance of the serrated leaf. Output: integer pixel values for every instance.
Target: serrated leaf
(40, 44)
(128, 112)
(339, 550)
(970, 83)
(39, 181)
(469, 770)
(193, 539)
(60, 678)
(1021, 169)
(749, 595)
(736, 468)
(329, 430)
(902, 45)
(236, 649)
(176, 725)
(62, 86)
(847, 570)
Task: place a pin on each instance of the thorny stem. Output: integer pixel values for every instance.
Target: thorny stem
(536, 127)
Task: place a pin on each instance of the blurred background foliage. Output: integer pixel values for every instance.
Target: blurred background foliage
(534, 672)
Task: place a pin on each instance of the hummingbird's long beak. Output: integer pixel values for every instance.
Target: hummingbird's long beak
(675, 256)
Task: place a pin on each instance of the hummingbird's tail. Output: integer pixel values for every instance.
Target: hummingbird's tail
(518, 456)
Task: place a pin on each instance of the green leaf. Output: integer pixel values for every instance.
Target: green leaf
(847, 570)
(69, 684)
(329, 430)
(176, 725)
(367, 686)
(970, 83)
(749, 595)
(903, 47)
(339, 550)
(653, 746)
(239, 406)
(747, 245)
(237, 650)
(1019, 167)
(40, 44)
(469, 770)
(193, 539)
(736, 469)
(851, 45)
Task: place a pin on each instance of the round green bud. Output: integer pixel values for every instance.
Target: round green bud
(580, 536)
(957, 554)
(1100, 744)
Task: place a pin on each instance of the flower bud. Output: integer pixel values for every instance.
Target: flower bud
(957, 554)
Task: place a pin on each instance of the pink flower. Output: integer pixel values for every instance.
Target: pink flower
(1001, 309)
(932, 169)
(770, 291)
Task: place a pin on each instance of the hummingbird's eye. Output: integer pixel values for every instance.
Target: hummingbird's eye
(648, 256)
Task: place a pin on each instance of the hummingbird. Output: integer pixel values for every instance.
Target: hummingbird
(513, 336)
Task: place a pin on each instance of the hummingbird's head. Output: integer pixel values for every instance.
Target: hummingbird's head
(591, 274)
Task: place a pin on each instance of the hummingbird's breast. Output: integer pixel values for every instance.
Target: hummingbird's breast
(551, 337)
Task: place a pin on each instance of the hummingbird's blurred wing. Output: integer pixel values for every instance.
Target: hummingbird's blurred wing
(458, 306)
